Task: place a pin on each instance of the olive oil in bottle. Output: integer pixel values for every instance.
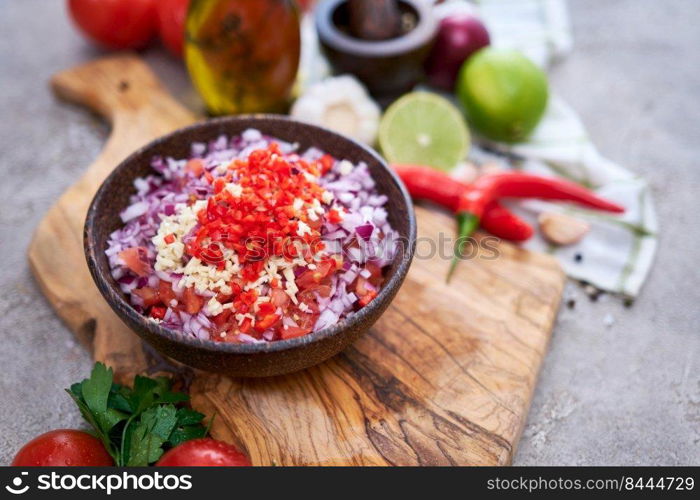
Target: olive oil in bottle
(243, 55)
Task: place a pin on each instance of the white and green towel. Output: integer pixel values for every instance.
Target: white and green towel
(617, 254)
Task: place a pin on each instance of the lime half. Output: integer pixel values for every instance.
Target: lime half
(424, 129)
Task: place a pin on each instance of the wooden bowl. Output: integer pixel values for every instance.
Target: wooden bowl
(245, 360)
(389, 68)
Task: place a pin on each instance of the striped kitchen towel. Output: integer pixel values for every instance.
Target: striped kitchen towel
(618, 252)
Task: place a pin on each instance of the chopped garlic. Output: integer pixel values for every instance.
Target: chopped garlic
(303, 228)
(235, 189)
(316, 206)
(214, 307)
(169, 256)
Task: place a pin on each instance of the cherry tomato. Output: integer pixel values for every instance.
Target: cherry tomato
(204, 453)
(115, 24)
(171, 24)
(63, 447)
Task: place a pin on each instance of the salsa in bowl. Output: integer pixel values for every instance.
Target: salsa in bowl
(251, 246)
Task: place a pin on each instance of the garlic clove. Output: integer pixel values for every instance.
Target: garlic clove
(561, 229)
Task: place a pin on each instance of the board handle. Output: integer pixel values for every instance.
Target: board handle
(117, 86)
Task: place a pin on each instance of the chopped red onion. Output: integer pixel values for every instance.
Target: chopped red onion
(365, 231)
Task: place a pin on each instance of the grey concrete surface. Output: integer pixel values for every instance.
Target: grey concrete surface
(627, 394)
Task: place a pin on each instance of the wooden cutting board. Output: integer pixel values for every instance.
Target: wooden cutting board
(446, 376)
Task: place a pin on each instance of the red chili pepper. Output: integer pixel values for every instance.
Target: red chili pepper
(477, 203)
(521, 185)
(425, 183)
(489, 188)
(503, 223)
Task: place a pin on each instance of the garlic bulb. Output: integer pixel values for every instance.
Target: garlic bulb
(341, 104)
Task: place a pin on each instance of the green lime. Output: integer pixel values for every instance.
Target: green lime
(504, 94)
(424, 129)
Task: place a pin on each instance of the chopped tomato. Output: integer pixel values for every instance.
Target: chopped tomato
(308, 297)
(313, 277)
(148, 295)
(169, 239)
(361, 287)
(279, 298)
(158, 312)
(246, 325)
(135, 258)
(321, 289)
(293, 331)
(166, 294)
(376, 278)
(266, 322)
(367, 298)
(193, 302)
(196, 166)
(222, 318)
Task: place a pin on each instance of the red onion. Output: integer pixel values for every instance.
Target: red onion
(459, 36)
(365, 231)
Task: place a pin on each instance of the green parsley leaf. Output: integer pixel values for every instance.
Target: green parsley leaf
(189, 426)
(96, 389)
(150, 434)
(136, 425)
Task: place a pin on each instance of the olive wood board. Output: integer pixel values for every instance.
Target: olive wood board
(445, 377)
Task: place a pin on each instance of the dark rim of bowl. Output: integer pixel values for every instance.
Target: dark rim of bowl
(125, 310)
(422, 34)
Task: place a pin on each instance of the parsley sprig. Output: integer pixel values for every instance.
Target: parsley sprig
(136, 425)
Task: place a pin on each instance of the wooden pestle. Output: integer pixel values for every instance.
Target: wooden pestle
(374, 19)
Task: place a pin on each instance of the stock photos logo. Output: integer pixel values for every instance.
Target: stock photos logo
(18, 487)
(100, 482)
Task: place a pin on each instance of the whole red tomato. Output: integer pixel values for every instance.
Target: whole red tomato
(171, 24)
(115, 24)
(63, 447)
(204, 453)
